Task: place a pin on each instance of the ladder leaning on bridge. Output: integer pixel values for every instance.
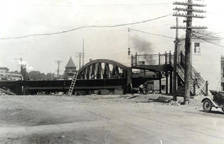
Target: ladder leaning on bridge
(72, 86)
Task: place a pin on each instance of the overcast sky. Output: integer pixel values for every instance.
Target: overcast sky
(28, 17)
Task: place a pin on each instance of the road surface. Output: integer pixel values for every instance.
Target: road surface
(105, 120)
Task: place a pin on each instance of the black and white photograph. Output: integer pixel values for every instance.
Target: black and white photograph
(111, 72)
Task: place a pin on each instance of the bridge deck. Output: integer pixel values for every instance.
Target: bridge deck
(159, 68)
(153, 62)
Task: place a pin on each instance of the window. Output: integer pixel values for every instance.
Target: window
(197, 49)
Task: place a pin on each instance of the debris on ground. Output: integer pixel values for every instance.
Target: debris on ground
(134, 96)
(175, 103)
(60, 93)
(163, 99)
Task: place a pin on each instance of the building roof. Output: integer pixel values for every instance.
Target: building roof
(203, 35)
(4, 68)
(70, 64)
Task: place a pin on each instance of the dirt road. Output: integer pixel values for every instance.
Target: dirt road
(105, 120)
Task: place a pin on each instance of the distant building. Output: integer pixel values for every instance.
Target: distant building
(70, 70)
(222, 74)
(206, 58)
(3, 72)
(6, 75)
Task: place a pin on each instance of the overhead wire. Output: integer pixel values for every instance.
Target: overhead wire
(104, 5)
(152, 33)
(207, 41)
(85, 27)
(211, 34)
(201, 38)
(150, 4)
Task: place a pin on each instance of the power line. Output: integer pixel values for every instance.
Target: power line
(207, 41)
(211, 34)
(85, 27)
(200, 37)
(150, 4)
(103, 5)
(152, 33)
(218, 15)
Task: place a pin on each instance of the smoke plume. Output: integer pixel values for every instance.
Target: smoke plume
(141, 46)
(144, 48)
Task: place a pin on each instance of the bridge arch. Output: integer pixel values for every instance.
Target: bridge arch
(103, 69)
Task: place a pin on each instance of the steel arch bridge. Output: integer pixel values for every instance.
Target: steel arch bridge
(103, 69)
(103, 74)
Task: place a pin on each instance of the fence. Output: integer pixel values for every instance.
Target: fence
(151, 59)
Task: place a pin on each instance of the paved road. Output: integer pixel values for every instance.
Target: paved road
(106, 121)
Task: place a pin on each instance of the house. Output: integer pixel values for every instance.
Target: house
(3, 72)
(6, 75)
(70, 70)
(222, 74)
(205, 58)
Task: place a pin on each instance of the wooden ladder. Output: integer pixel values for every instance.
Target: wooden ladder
(72, 86)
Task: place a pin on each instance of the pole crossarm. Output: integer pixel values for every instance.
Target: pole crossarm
(193, 10)
(179, 27)
(191, 27)
(192, 16)
(189, 4)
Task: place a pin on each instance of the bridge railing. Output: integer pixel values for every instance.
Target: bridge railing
(196, 78)
(151, 59)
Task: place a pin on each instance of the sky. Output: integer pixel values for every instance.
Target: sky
(31, 17)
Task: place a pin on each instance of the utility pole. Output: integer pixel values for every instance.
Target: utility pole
(189, 15)
(175, 64)
(129, 49)
(80, 59)
(58, 70)
(79, 55)
(23, 69)
(21, 66)
(83, 54)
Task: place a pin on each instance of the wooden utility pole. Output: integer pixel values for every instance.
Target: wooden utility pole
(175, 64)
(83, 56)
(21, 66)
(189, 14)
(188, 69)
(79, 55)
(80, 59)
(58, 70)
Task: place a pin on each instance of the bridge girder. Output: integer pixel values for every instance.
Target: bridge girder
(103, 69)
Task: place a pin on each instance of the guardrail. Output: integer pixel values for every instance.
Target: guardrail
(168, 59)
(196, 78)
(151, 59)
